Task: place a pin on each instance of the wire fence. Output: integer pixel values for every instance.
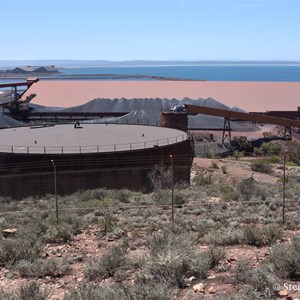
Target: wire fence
(217, 183)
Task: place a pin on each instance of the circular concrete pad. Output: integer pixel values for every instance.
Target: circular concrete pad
(89, 138)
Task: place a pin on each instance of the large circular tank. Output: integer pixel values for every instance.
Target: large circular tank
(88, 156)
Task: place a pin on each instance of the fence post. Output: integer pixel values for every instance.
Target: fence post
(283, 188)
(55, 189)
(172, 172)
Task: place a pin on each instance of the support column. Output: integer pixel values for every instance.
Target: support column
(226, 137)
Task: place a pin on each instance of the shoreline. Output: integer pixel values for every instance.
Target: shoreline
(91, 77)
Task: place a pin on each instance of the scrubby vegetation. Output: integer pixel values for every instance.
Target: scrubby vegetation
(227, 238)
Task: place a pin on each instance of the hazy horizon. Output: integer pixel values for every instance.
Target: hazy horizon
(111, 63)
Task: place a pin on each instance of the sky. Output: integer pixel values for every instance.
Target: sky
(150, 29)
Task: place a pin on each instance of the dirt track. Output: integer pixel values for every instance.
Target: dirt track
(236, 169)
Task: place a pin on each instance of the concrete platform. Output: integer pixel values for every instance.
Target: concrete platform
(91, 138)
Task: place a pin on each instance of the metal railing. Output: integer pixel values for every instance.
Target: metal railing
(92, 148)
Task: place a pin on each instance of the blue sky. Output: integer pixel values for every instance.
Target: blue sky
(150, 29)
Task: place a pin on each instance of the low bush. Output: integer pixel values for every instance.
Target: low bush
(96, 292)
(146, 291)
(122, 195)
(214, 165)
(33, 291)
(214, 255)
(42, 268)
(106, 265)
(286, 259)
(261, 279)
(248, 294)
(249, 189)
(4, 295)
(173, 258)
(162, 196)
(108, 223)
(16, 249)
(259, 236)
(202, 178)
(242, 270)
(60, 233)
(224, 237)
(160, 177)
(262, 166)
(224, 169)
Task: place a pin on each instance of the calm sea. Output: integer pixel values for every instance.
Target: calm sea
(211, 73)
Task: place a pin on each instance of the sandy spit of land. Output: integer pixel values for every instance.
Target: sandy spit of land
(251, 96)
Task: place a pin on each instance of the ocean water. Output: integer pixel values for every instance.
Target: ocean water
(264, 73)
(210, 73)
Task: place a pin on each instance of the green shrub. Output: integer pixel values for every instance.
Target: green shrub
(249, 188)
(214, 165)
(42, 267)
(275, 159)
(162, 196)
(293, 150)
(215, 255)
(269, 149)
(224, 237)
(150, 291)
(248, 294)
(262, 166)
(259, 236)
(286, 259)
(4, 295)
(160, 177)
(242, 270)
(96, 292)
(238, 154)
(146, 291)
(108, 223)
(173, 258)
(60, 233)
(33, 291)
(202, 178)
(261, 278)
(169, 260)
(106, 265)
(208, 153)
(224, 169)
(16, 249)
